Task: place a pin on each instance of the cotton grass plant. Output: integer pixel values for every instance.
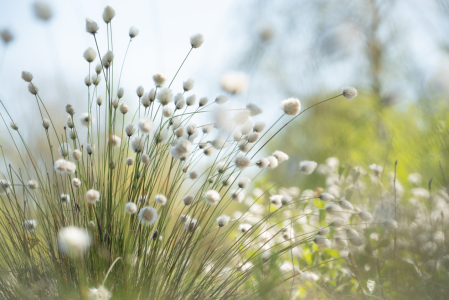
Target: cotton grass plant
(124, 206)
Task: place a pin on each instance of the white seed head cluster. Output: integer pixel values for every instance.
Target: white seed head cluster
(108, 14)
(145, 126)
(147, 215)
(73, 240)
(196, 40)
(30, 225)
(32, 184)
(349, 93)
(188, 199)
(64, 166)
(223, 220)
(92, 196)
(133, 32)
(91, 26)
(160, 199)
(291, 106)
(242, 161)
(130, 208)
(165, 96)
(27, 76)
(234, 82)
(307, 166)
(212, 197)
(100, 293)
(90, 55)
(159, 79)
(188, 84)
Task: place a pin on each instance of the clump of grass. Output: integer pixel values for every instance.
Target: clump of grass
(130, 205)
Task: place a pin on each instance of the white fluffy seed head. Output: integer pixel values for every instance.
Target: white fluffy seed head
(365, 216)
(27, 76)
(89, 149)
(5, 187)
(219, 143)
(212, 197)
(30, 225)
(243, 182)
(32, 88)
(108, 14)
(73, 240)
(196, 40)
(130, 129)
(307, 166)
(321, 240)
(87, 81)
(180, 104)
(237, 196)
(65, 198)
(259, 127)
(179, 132)
(203, 101)
(263, 163)
(291, 106)
(323, 231)
(164, 96)
(130, 208)
(356, 241)
(147, 215)
(100, 100)
(273, 162)
(123, 108)
(86, 119)
(91, 26)
(159, 79)
(98, 68)
(46, 123)
(139, 91)
(14, 126)
(193, 175)
(145, 125)
(234, 82)
(120, 93)
(130, 161)
(92, 196)
(76, 182)
(133, 32)
(326, 197)
(6, 36)
(96, 79)
(332, 208)
(32, 184)
(221, 99)
(280, 156)
(190, 100)
(89, 55)
(390, 224)
(253, 109)
(349, 92)
(145, 100)
(337, 222)
(244, 227)
(188, 84)
(137, 144)
(160, 199)
(345, 204)
(188, 199)
(228, 181)
(223, 220)
(145, 159)
(241, 162)
(276, 200)
(76, 154)
(42, 10)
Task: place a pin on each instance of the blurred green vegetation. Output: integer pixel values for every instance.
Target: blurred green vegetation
(365, 131)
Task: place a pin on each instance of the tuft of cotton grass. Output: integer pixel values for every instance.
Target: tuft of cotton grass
(30, 225)
(76, 155)
(27, 76)
(108, 14)
(145, 125)
(190, 100)
(14, 126)
(349, 92)
(253, 109)
(273, 162)
(86, 119)
(241, 162)
(212, 197)
(243, 182)
(76, 182)
(280, 156)
(90, 55)
(160, 199)
(223, 220)
(221, 99)
(32, 184)
(259, 127)
(64, 198)
(263, 163)
(291, 106)
(137, 144)
(33, 89)
(5, 187)
(133, 32)
(164, 96)
(130, 208)
(147, 215)
(92, 196)
(159, 79)
(100, 293)
(42, 10)
(188, 199)
(244, 228)
(203, 101)
(234, 82)
(307, 166)
(196, 40)
(91, 26)
(73, 240)
(188, 84)
(326, 197)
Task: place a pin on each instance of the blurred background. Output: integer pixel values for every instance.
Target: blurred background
(394, 52)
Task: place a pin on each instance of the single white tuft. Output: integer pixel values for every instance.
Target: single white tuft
(221, 99)
(326, 197)
(259, 127)
(46, 123)
(193, 175)
(345, 204)
(188, 199)
(263, 163)
(92, 196)
(42, 10)
(65, 198)
(145, 126)
(14, 126)
(273, 162)
(253, 109)
(91, 26)
(130, 129)
(30, 225)
(241, 162)
(238, 195)
(191, 100)
(90, 55)
(123, 108)
(307, 166)
(160, 199)
(27, 76)
(377, 170)
(147, 215)
(101, 293)
(159, 79)
(108, 14)
(180, 104)
(337, 222)
(196, 40)
(349, 93)
(291, 106)
(33, 89)
(212, 197)
(203, 101)
(130, 208)
(365, 216)
(390, 224)
(145, 100)
(188, 84)
(76, 155)
(73, 240)
(244, 227)
(332, 208)
(219, 143)
(223, 220)
(98, 68)
(32, 184)
(64, 166)
(87, 81)
(120, 93)
(165, 96)
(323, 231)
(243, 182)
(145, 159)
(276, 200)
(139, 91)
(5, 187)
(133, 32)
(76, 182)
(130, 161)
(234, 82)
(137, 144)
(86, 119)
(280, 156)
